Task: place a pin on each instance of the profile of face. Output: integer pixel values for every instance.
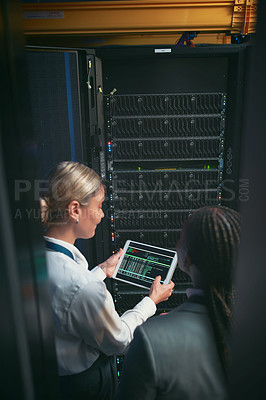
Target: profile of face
(207, 244)
(90, 216)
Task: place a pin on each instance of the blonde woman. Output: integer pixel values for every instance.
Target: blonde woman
(88, 330)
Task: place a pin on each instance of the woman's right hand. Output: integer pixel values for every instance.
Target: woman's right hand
(160, 292)
(108, 266)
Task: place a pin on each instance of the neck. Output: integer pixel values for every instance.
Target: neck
(62, 232)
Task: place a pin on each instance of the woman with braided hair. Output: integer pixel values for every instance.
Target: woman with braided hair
(184, 354)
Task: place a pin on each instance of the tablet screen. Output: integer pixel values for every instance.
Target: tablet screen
(141, 263)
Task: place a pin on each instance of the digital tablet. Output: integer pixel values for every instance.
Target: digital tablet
(140, 263)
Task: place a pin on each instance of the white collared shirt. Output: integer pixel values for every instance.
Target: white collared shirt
(86, 321)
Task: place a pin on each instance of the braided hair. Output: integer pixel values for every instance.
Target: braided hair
(210, 237)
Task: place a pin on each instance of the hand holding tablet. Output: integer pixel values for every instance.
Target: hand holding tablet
(141, 263)
(159, 292)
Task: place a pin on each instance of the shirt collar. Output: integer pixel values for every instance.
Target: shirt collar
(194, 292)
(78, 257)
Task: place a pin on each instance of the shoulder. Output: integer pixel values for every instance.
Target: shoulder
(182, 343)
(70, 281)
(182, 315)
(61, 266)
(189, 322)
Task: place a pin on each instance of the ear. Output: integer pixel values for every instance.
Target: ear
(74, 210)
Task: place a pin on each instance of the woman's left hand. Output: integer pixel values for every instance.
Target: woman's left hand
(108, 266)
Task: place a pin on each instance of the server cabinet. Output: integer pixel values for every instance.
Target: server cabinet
(59, 120)
(172, 144)
(172, 134)
(63, 115)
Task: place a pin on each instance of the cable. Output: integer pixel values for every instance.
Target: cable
(186, 37)
(109, 94)
(89, 74)
(99, 88)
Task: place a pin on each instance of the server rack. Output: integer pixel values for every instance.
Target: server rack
(171, 145)
(171, 139)
(151, 203)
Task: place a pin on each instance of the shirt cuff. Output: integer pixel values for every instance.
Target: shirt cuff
(99, 273)
(148, 305)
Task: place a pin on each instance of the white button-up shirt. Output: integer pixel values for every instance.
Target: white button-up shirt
(86, 321)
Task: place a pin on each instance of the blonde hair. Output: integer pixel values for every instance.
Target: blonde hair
(68, 181)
